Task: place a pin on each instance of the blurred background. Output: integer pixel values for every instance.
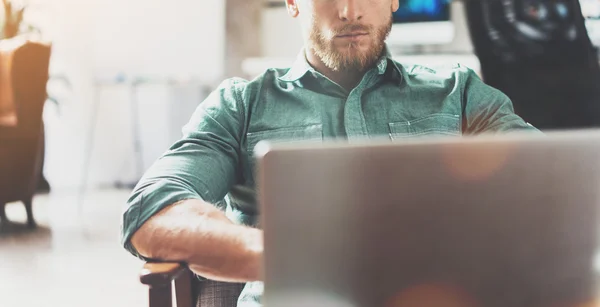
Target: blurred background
(123, 77)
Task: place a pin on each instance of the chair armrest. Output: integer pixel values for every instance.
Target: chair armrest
(161, 273)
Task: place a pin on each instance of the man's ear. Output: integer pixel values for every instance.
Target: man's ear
(292, 7)
(395, 5)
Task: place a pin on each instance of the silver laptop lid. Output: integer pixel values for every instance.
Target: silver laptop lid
(487, 221)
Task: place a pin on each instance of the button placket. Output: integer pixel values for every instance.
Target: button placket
(354, 119)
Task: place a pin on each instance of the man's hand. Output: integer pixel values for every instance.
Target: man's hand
(199, 234)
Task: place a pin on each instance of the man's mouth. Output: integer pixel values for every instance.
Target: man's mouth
(355, 34)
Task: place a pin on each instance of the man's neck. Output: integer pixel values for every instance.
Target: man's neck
(346, 79)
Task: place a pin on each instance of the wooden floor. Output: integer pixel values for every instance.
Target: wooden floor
(74, 257)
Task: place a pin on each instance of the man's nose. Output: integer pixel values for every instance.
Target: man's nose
(351, 10)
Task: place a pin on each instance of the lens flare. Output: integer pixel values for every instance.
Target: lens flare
(432, 295)
(476, 163)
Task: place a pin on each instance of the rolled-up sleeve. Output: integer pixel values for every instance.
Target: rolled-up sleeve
(201, 165)
(488, 110)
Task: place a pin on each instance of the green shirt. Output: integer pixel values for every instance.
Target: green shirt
(214, 160)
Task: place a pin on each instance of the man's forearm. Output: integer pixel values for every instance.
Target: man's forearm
(201, 235)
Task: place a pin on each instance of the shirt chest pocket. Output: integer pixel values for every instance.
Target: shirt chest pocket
(281, 135)
(431, 125)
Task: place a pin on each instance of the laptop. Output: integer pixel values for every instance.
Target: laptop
(508, 220)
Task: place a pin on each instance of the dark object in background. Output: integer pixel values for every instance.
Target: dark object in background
(539, 54)
(23, 77)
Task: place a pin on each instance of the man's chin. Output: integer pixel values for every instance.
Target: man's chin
(356, 59)
(349, 57)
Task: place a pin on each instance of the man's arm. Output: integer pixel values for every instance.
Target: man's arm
(171, 214)
(488, 110)
(199, 234)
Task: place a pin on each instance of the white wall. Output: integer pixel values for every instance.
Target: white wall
(281, 35)
(159, 37)
(99, 39)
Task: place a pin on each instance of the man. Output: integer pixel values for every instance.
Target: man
(196, 204)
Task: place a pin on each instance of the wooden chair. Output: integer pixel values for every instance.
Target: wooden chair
(23, 77)
(160, 277)
(189, 290)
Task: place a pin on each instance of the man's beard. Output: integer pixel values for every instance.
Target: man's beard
(351, 58)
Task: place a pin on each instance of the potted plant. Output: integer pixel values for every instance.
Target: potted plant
(14, 23)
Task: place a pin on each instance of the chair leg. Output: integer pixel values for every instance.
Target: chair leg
(29, 208)
(161, 296)
(3, 217)
(183, 290)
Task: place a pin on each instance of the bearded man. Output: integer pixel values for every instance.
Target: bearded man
(197, 205)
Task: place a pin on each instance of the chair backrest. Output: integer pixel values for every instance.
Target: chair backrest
(190, 290)
(552, 80)
(24, 69)
(218, 294)
(24, 66)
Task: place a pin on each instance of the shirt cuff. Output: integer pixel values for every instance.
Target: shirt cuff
(146, 203)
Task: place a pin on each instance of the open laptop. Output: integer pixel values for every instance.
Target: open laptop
(506, 220)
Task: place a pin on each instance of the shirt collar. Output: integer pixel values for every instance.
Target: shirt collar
(301, 67)
(384, 63)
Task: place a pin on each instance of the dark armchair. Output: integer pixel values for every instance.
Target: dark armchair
(23, 77)
(189, 290)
